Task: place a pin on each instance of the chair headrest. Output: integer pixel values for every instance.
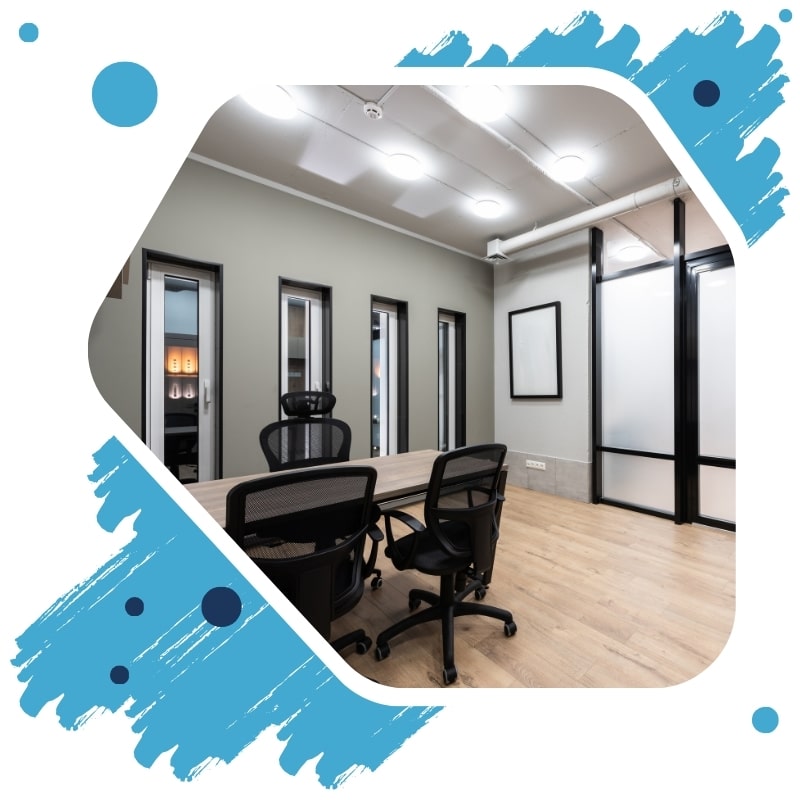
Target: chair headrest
(307, 403)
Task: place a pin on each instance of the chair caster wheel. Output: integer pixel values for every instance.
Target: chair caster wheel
(480, 593)
(377, 583)
(363, 646)
(449, 674)
(414, 604)
(510, 628)
(381, 652)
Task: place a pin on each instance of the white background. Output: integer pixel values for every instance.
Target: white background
(78, 192)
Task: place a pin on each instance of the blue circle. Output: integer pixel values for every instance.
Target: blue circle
(765, 719)
(119, 674)
(124, 94)
(785, 15)
(706, 93)
(134, 606)
(221, 606)
(28, 32)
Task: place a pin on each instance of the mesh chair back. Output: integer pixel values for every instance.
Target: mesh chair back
(461, 503)
(307, 403)
(306, 532)
(305, 442)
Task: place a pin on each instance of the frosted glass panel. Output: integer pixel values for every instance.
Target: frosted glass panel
(646, 482)
(718, 493)
(637, 352)
(716, 332)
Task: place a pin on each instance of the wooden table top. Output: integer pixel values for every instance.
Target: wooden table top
(399, 476)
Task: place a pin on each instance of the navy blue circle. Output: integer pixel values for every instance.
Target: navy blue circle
(119, 674)
(221, 606)
(134, 606)
(706, 93)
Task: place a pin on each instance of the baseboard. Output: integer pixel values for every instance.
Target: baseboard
(560, 476)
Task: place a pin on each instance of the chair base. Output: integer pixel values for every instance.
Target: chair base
(358, 637)
(445, 606)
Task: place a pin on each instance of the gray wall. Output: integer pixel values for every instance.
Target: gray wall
(558, 431)
(259, 234)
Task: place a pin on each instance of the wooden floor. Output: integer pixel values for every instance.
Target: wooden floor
(602, 597)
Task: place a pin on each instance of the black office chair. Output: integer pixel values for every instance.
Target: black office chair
(459, 535)
(305, 442)
(306, 531)
(307, 439)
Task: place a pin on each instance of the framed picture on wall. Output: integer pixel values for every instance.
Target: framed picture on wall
(534, 351)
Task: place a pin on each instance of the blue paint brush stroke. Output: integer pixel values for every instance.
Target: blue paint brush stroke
(746, 73)
(204, 690)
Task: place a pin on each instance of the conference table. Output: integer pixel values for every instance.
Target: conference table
(400, 477)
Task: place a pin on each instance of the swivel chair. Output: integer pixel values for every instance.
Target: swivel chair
(306, 531)
(459, 535)
(307, 437)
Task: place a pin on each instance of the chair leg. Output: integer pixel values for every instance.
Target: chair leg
(358, 637)
(415, 596)
(449, 672)
(384, 637)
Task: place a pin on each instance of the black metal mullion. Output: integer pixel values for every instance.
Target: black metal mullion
(680, 383)
(691, 427)
(596, 425)
(461, 379)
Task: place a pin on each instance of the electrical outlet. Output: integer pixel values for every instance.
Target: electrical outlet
(535, 465)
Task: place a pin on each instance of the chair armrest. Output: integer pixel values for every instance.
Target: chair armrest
(416, 528)
(404, 517)
(375, 533)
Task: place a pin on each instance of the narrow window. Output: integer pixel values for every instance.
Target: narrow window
(452, 380)
(305, 362)
(389, 377)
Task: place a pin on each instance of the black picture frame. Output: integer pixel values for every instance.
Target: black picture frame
(534, 351)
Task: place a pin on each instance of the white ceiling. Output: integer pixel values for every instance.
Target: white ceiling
(333, 152)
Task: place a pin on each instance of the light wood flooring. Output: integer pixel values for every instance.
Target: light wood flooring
(602, 597)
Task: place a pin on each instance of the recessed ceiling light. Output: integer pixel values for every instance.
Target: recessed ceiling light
(483, 103)
(569, 168)
(274, 101)
(404, 166)
(488, 209)
(632, 252)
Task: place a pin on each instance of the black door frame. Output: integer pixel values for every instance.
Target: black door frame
(686, 457)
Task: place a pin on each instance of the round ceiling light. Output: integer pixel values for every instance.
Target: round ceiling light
(483, 103)
(404, 166)
(488, 209)
(570, 168)
(632, 252)
(274, 101)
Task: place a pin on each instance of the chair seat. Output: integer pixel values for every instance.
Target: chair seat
(429, 557)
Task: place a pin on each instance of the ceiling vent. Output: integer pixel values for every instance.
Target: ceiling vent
(494, 253)
(373, 110)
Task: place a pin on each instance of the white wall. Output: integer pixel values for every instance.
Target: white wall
(556, 431)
